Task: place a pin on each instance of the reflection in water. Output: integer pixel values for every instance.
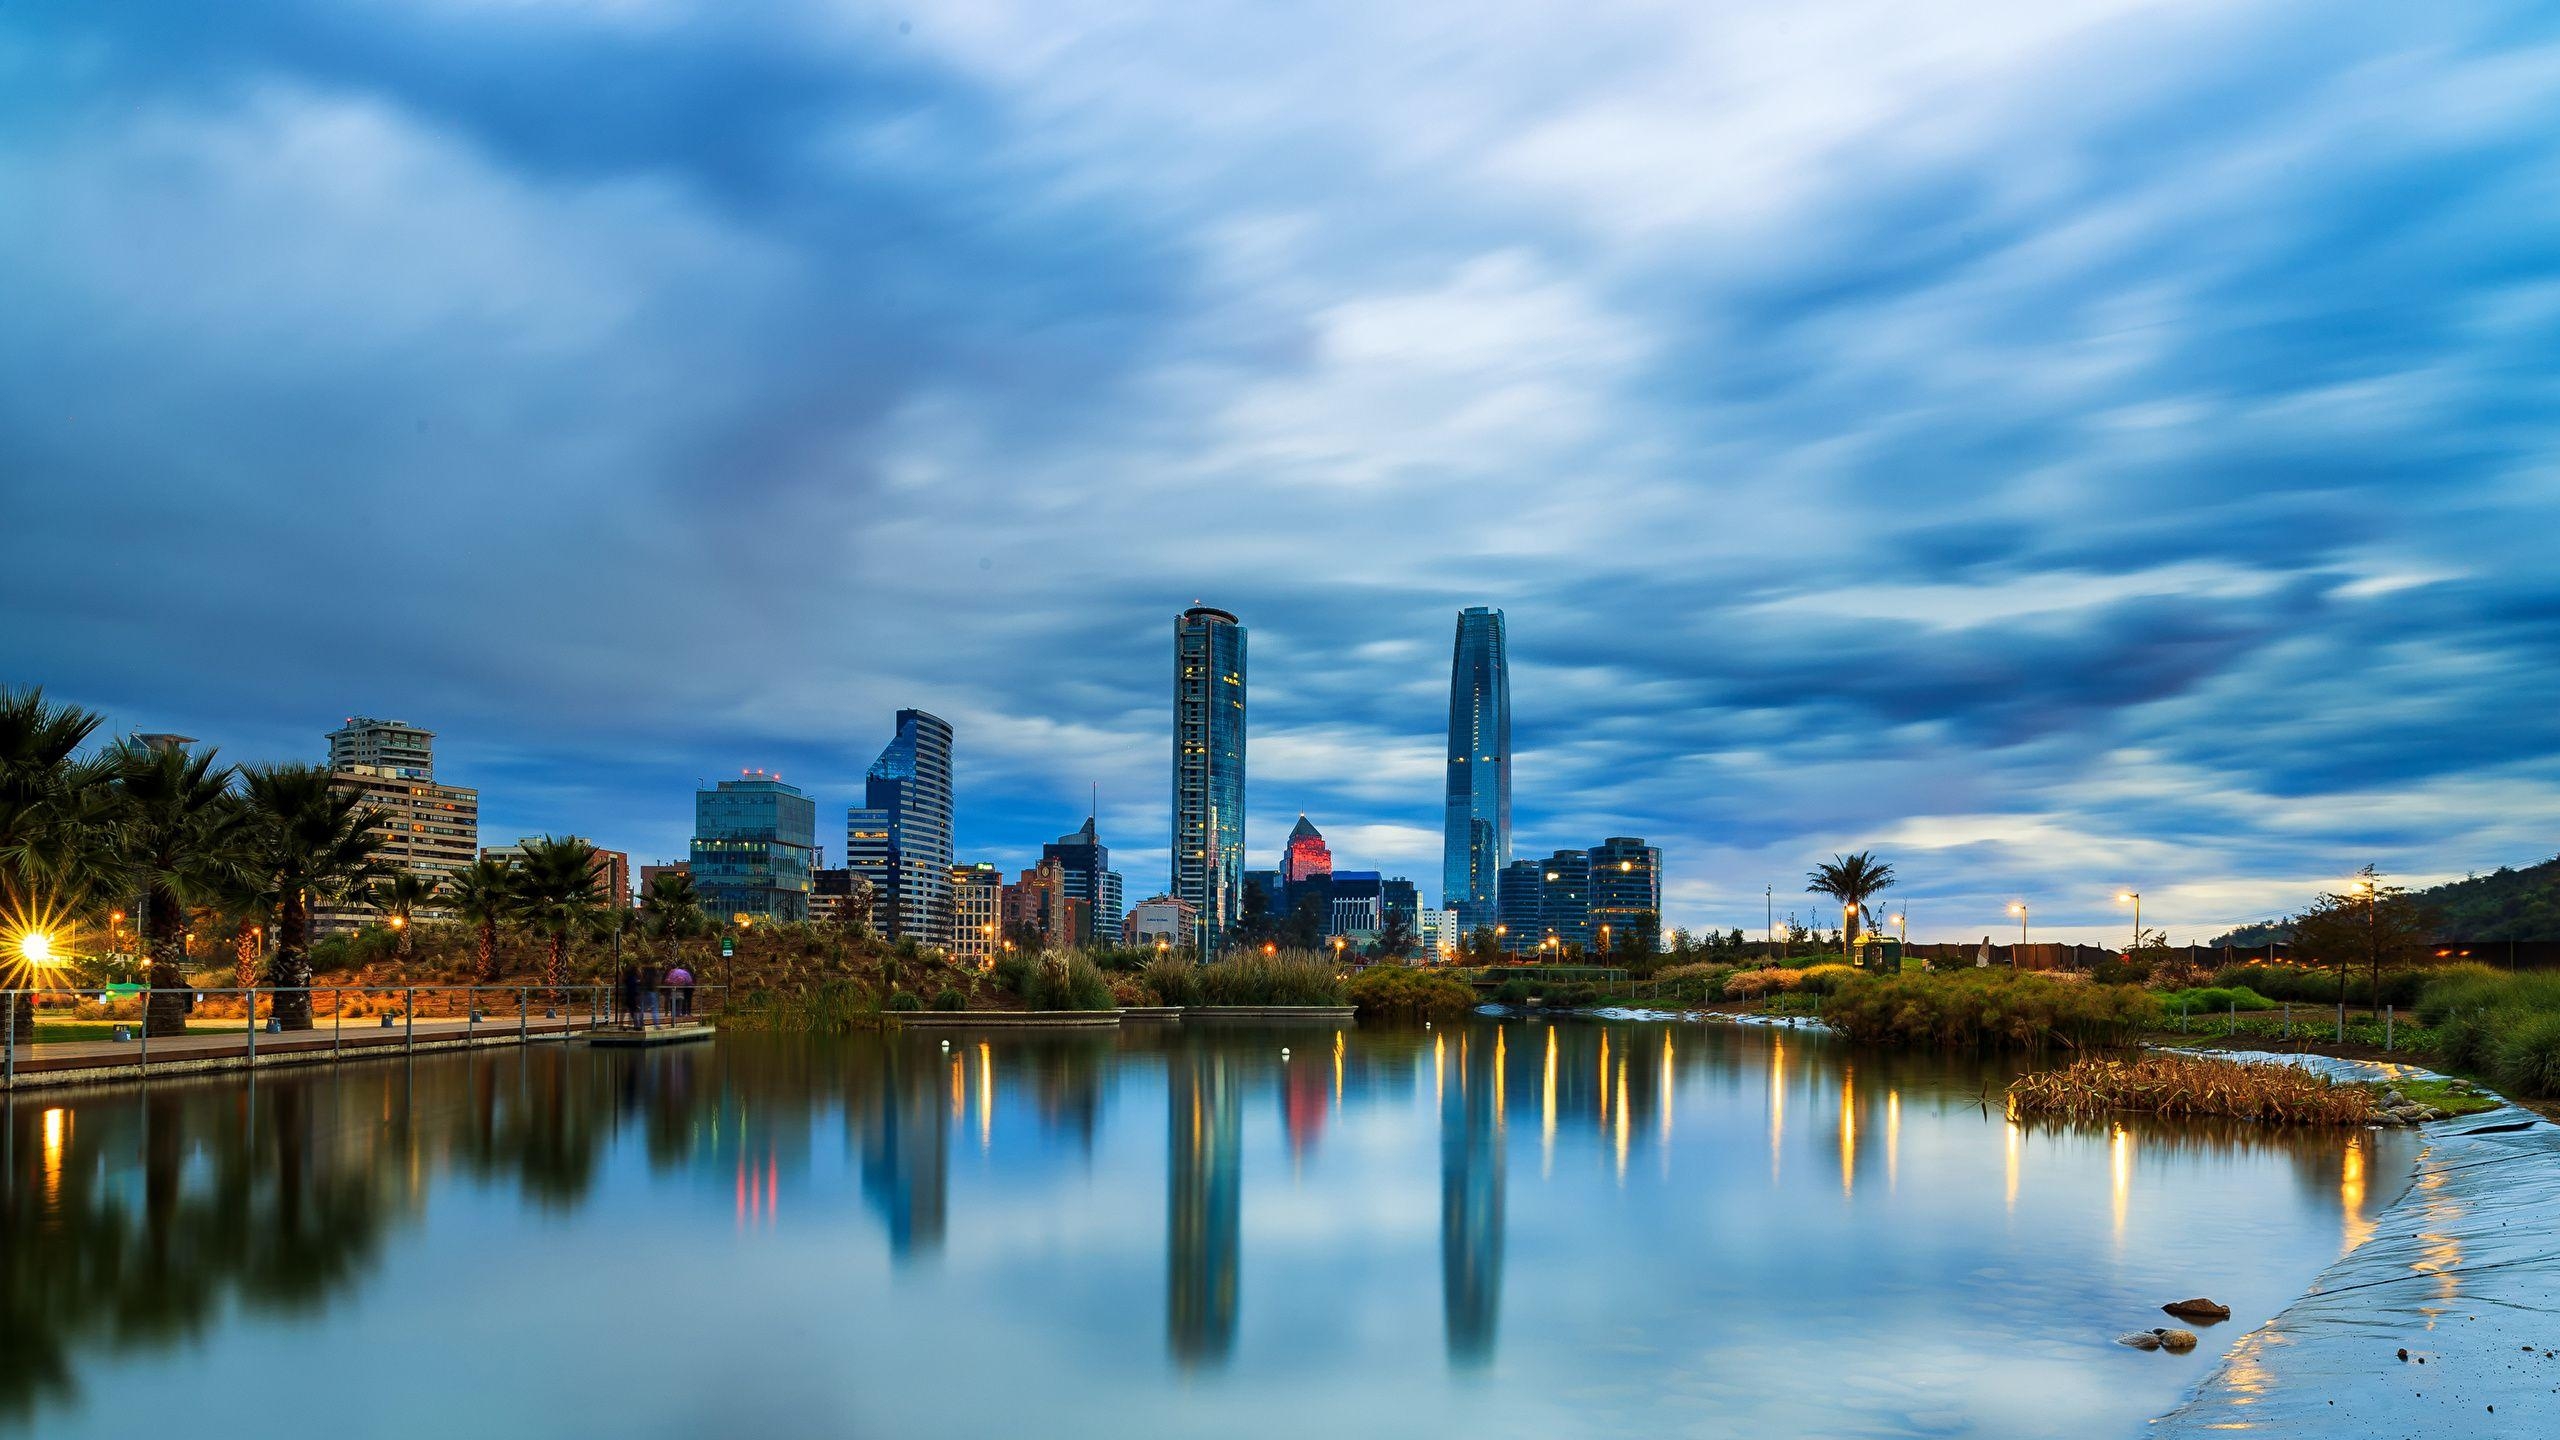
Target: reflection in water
(159, 1223)
(1204, 1207)
(1471, 1186)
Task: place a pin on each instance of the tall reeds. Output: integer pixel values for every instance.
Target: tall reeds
(2187, 1085)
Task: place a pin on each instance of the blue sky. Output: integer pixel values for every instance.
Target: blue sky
(2061, 446)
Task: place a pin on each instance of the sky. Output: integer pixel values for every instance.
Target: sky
(2062, 447)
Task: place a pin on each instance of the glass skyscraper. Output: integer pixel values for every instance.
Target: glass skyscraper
(1477, 842)
(1626, 894)
(900, 837)
(1091, 880)
(1208, 769)
(754, 843)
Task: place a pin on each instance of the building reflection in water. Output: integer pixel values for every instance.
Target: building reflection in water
(1204, 1205)
(1471, 1186)
(906, 1149)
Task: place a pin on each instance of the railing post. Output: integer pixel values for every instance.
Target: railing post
(2387, 1016)
(12, 1039)
(146, 1032)
(337, 1019)
(523, 1015)
(409, 1019)
(252, 1007)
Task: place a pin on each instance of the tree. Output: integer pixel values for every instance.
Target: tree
(483, 895)
(557, 881)
(671, 910)
(315, 843)
(1852, 880)
(1396, 941)
(398, 897)
(2368, 923)
(60, 829)
(181, 830)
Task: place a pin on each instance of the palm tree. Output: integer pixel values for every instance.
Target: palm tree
(557, 881)
(314, 842)
(181, 832)
(1852, 880)
(672, 909)
(58, 813)
(398, 897)
(483, 895)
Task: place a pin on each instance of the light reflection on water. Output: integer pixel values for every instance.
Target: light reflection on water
(1163, 1232)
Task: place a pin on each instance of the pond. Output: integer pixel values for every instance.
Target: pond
(1515, 1227)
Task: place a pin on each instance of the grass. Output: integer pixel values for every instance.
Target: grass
(1406, 992)
(2500, 1026)
(2449, 1095)
(49, 1031)
(2188, 1085)
(1287, 979)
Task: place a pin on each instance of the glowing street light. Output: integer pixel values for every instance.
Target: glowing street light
(2134, 897)
(36, 947)
(2019, 909)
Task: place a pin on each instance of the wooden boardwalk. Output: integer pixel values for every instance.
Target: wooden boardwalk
(82, 1062)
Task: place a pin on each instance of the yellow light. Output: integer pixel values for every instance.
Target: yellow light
(2123, 895)
(36, 947)
(1626, 865)
(398, 922)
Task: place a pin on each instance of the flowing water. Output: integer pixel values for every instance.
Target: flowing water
(1492, 1228)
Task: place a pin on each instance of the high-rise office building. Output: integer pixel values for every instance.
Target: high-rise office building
(1091, 880)
(1626, 893)
(1520, 906)
(1208, 768)
(1306, 855)
(1476, 843)
(1565, 906)
(977, 914)
(426, 829)
(755, 848)
(900, 836)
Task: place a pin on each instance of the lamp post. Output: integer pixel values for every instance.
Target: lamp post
(2134, 896)
(2019, 909)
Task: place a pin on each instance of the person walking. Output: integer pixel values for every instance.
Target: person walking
(680, 987)
(630, 995)
(651, 978)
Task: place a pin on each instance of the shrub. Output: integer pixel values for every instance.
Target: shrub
(950, 999)
(1171, 980)
(1752, 984)
(1403, 991)
(1515, 991)
(2318, 984)
(2526, 1058)
(903, 1001)
(1065, 982)
(2503, 1026)
(1823, 979)
(1293, 979)
(1988, 1010)
(2215, 999)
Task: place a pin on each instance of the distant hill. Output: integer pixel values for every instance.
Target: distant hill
(2504, 904)
(2501, 905)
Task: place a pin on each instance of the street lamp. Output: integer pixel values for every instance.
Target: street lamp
(2135, 898)
(2019, 909)
(36, 947)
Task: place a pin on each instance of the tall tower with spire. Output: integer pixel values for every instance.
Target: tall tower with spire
(1306, 855)
(1477, 842)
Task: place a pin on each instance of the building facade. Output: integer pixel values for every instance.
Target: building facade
(1307, 855)
(1090, 879)
(1160, 920)
(1520, 907)
(900, 837)
(1476, 840)
(755, 849)
(1565, 903)
(1208, 769)
(977, 914)
(841, 896)
(427, 829)
(1038, 908)
(1626, 894)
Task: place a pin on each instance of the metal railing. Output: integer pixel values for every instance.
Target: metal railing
(531, 1012)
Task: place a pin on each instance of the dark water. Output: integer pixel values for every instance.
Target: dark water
(1514, 1229)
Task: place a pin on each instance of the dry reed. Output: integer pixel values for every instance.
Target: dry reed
(2184, 1085)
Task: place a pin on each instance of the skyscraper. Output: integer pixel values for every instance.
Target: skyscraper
(1090, 880)
(1626, 894)
(1477, 842)
(900, 836)
(1208, 768)
(755, 844)
(1565, 910)
(1307, 854)
(425, 828)
(1520, 911)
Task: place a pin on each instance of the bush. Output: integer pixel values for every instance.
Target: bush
(950, 999)
(1171, 980)
(1752, 984)
(1271, 980)
(1989, 1010)
(1823, 979)
(903, 1001)
(2503, 1026)
(1515, 991)
(2215, 999)
(2318, 985)
(1405, 992)
(1065, 982)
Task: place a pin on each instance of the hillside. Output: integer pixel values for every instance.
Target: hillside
(2504, 904)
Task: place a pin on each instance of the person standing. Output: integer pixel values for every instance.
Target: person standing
(680, 988)
(651, 979)
(629, 986)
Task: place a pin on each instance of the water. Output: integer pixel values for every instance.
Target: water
(1523, 1228)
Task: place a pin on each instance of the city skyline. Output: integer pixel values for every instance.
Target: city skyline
(2060, 460)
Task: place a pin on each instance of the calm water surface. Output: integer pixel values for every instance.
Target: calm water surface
(1514, 1228)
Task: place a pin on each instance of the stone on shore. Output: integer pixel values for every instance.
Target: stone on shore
(2199, 1308)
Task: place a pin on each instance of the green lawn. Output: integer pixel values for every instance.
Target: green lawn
(48, 1031)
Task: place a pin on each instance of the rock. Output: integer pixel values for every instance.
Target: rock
(2198, 1309)
(2140, 1340)
(2404, 1357)
(2392, 1099)
(2179, 1340)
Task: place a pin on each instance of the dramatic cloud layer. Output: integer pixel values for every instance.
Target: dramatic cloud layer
(2066, 447)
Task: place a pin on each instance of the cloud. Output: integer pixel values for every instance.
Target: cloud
(2089, 446)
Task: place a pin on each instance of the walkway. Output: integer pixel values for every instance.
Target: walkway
(2462, 1278)
(90, 1061)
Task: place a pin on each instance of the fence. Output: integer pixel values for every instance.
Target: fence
(384, 1017)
